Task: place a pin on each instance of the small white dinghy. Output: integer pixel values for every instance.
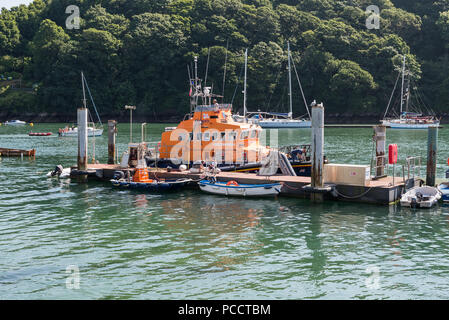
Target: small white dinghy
(15, 123)
(232, 188)
(444, 189)
(421, 197)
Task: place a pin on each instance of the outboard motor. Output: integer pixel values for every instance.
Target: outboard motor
(447, 173)
(57, 171)
(419, 196)
(413, 203)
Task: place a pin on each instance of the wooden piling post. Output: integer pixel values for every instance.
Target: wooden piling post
(112, 132)
(82, 139)
(317, 178)
(380, 137)
(432, 147)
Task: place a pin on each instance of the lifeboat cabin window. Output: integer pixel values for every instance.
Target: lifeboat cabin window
(182, 137)
(198, 136)
(254, 134)
(206, 136)
(232, 136)
(244, 135)
(214, 136)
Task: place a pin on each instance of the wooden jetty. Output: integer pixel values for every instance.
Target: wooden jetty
(349, 125)
(7, 152)
(380, 191)
(357, 185)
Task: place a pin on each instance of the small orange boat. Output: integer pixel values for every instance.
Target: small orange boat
(6, 152)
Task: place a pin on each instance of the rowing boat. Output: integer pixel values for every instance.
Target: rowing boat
(232, 188)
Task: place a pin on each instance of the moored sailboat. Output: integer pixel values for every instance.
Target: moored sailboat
(278, 120)
(92, 129)
(407, 119)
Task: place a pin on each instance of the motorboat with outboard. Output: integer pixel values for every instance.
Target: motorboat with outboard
(421, 197)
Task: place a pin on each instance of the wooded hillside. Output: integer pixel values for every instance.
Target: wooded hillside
(137, 52)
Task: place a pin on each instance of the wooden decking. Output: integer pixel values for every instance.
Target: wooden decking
(380, 191)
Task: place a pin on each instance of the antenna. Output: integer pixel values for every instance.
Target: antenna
(244, 90)
(205, 79)
(196, 80)
(290, 115)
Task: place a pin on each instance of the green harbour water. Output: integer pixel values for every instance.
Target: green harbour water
(190, 245)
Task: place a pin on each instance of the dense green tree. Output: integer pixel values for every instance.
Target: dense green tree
(9, 33)
(137, 51)
(97, 17)
(348, 74)
(48, 45)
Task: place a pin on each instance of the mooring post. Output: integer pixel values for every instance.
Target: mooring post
(317, 179)
(380, 137)
(432, 147)
(82, 139)
(112, 131)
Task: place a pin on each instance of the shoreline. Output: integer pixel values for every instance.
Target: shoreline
(331, 120)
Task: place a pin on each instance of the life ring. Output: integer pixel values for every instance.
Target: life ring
(232, 183)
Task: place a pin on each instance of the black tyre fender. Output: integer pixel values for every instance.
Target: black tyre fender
(119, 175)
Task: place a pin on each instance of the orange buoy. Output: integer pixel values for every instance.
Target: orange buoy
(232, 183)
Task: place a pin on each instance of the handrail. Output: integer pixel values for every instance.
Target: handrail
(382, 165)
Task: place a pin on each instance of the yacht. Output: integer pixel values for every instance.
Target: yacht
(283, 120)
(407, 119)
(73, 131)
(92, 129)
(14, 123)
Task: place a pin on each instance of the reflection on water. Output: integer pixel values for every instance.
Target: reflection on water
(129, 245)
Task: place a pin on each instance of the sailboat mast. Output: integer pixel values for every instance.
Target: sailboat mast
(244, 89)
(84, 91)
(290, 83)
(402, 89)
(407, 93)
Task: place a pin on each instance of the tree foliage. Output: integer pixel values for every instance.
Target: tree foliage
(137, 51)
